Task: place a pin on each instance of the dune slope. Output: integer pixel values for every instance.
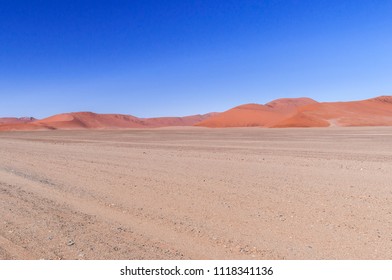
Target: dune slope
(284, 112)
(88, 120)
(267, 115)
(305, 112)
(371, 112)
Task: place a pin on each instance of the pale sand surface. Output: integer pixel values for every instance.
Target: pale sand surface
(197, 193)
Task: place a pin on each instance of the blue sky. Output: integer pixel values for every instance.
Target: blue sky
(178, 57)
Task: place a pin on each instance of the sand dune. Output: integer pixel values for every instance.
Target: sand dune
(284, 112)
(288, 105)
(372, 112)
(305, 112)
(258, 115)
(244, 116)
(176, 121)
(89, 120)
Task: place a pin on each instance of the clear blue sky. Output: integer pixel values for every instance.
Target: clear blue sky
(179, 57)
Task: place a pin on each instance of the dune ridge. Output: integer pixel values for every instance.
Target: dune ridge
(306, 112)
(279, 113)
(89, 120)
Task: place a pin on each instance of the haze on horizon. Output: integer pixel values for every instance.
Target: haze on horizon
(149, 58)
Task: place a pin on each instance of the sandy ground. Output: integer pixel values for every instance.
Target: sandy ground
(196, 193)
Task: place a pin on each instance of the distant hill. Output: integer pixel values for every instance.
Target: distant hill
(16, 120)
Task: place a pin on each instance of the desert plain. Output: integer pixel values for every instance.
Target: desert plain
(197, 193)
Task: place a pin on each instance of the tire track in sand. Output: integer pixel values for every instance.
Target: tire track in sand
(168, 237)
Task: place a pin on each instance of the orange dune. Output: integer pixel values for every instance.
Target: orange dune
(256, 114)
(305, 112)
(284, 112)
(176, 121)
(288, 105)
(371, 112)
(88, 120)
(243, 116)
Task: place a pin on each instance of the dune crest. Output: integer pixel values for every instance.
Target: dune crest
(306, 112)
(290, 104)
(89, 120)
(283, 112)
(267, 115)
(243, 116)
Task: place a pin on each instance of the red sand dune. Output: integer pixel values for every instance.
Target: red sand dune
(258, 115)
(288, 105)
(371, 112)
(244, 115)
(305, 112)
(176, 121)
(88, 120)
(285, 112)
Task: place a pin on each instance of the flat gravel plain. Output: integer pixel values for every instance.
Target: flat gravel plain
(197, 193)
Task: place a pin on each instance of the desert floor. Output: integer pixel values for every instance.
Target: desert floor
(197, 193)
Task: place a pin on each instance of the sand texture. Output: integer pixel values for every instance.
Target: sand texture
(197, 193)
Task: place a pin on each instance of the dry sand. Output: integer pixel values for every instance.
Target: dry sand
(197, 193)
